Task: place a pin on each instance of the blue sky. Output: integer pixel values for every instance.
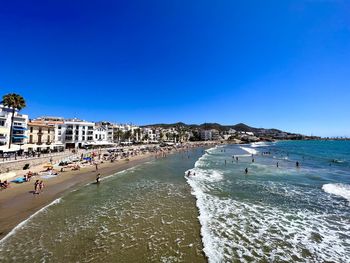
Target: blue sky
(283, 64)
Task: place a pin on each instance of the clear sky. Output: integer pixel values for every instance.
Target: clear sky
(282, 64)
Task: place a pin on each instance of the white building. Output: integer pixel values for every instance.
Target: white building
(75, 133)
(208, 135)
(104, 131)
(231, 131)
(19, 136)
(100, 133)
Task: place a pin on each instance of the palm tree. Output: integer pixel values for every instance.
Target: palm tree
(16, 102)
(145, 137)
(127, 135)
(119, 134)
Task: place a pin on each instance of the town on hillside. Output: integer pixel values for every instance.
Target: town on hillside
(19, 134)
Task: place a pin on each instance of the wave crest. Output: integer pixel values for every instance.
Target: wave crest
(338, 189)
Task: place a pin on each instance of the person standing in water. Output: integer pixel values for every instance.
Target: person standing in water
(297, 164)
(246, 170)
(277, 164)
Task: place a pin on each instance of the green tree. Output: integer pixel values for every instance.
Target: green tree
(15, 102)
(127, 135)
(118, 135)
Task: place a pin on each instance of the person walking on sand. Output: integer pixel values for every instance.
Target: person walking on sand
(98, 178)
(36, 187)
(96, 166)
(41, 186)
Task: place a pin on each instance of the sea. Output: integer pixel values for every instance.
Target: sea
(240, 203)
(277, 211)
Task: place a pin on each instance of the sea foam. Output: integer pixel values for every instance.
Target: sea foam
(248, 231)
(342, 190)
(249, 150)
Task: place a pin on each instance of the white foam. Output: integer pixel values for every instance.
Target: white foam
(258, 144)
(342, 190)
(249, 150)
(22, 224)
(246, 231)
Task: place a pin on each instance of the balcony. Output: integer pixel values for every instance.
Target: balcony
(19, 128)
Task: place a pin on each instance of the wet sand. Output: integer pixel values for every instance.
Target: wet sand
(18, 202)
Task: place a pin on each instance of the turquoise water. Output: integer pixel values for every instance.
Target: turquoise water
(143, 214)
(275, 214)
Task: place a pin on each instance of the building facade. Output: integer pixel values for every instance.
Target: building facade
(75, 133)
(209, 135)
(19, 136)
(40, 137)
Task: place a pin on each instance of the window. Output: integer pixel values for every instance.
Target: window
(48, 138)
(2, 123)
(31, 139)
(31, 129)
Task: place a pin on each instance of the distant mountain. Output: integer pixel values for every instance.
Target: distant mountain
(238, 127)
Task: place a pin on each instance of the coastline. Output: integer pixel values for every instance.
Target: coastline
(18, 203)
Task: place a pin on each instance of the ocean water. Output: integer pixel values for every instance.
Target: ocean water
(275, 214)
(143, 214)
(153, 213)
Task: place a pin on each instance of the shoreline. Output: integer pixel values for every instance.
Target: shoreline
(18, 203)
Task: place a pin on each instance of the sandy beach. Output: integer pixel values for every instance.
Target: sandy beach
(18, 202)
